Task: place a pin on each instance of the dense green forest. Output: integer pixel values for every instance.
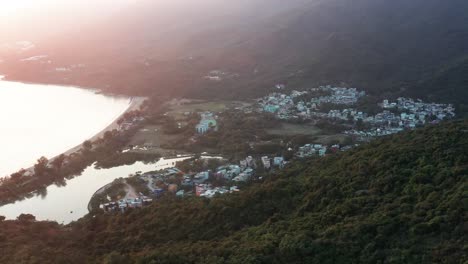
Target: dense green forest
(400, 199)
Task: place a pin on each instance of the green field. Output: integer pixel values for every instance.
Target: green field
(319, 136)
(153, 138)
(287, 129)
(178, 108)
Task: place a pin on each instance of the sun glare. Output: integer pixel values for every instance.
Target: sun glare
(24, 8)
(16, 7)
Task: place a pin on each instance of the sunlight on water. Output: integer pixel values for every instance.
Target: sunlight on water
(69, 203)
(45, 120)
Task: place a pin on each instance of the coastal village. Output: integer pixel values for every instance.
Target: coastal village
(304, 106)
(202, 121)
(207, 183)
(226, 178)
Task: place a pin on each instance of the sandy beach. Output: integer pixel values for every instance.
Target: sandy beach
(102, 115)
(135, 104)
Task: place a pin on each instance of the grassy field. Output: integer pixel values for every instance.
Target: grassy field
(152, 137)
(329, 139)
(178, 108)
(318, 135)
(287, 129)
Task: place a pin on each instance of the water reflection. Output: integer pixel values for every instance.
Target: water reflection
(69, 203)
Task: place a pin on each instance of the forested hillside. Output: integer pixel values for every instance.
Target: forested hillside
(444, 84)
(385, 47)
(401, 199)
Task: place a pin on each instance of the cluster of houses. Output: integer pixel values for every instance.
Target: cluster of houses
(208, 183)
(125, 204)
(421, 109)
(163, 181)
(319, 150)
(310, 150)
(347, 114)
(288, 107)
(208, 191)
(269, 163)
(207, 122)
(405, 113)
(234, 173)
(339, 96)
(174, 181)
(230, 172)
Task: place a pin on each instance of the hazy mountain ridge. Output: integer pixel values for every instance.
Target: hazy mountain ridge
(380, 46)
(373, 44)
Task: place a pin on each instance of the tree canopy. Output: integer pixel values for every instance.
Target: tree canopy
(400, 199)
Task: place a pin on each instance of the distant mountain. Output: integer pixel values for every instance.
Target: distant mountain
(381, 46)
(401, 199)
(385, 47)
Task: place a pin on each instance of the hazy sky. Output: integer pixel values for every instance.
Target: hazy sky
(22, 18)
(45, 20)
(18, 9)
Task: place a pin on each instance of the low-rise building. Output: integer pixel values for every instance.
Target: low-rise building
(266, 162)
(207, 123)
(201, 177)
(278, 162)
(124, 204)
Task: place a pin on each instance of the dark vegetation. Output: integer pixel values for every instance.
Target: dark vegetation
(401, 199)
(449, 85)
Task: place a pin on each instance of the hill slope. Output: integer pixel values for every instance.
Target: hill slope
(401, 199)
(158, 47)
(444, 84)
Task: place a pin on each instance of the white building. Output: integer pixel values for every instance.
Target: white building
(266, 162)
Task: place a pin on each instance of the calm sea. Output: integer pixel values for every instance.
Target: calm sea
(46, 120)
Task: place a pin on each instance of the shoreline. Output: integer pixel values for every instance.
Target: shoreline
(135, 104)
(99, 191)
(4, 78)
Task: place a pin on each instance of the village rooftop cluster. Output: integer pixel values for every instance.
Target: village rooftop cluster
(319, 150)
(202, 184)
(405, 113)
(125, 204)
(288, 107)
